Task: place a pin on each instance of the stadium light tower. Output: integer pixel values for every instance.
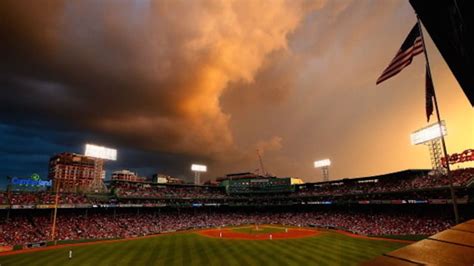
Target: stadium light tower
(431, 136)
(198, 169)
(324, 165)
(100, 153)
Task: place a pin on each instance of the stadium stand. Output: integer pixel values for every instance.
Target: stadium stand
(26, 198)
(454, 246)
(411, 202)
(25, 227)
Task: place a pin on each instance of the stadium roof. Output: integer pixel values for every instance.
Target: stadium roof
(396, 174)
(382, 176)
(240, 174)
(450, 24)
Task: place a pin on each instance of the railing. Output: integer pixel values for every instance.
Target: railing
(470, 182)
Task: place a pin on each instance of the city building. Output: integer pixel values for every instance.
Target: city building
(72, 172)
(126, 175)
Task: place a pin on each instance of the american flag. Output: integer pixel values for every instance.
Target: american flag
(412, 46)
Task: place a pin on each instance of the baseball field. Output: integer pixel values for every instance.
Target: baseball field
(228, 246)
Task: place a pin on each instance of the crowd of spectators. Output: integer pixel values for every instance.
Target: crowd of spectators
(342, 187)
(147, 190)
(386, 185)
(376, 188)
(28, 228)
(19, 230)
(43, 197)
(460, 177)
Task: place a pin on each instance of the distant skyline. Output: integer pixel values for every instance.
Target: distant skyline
(170, 83)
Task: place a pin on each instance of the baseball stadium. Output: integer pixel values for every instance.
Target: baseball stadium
(245, 220)
(356, 163)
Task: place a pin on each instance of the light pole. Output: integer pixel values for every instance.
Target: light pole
(433, 136)
(324, 165)
(198, 169)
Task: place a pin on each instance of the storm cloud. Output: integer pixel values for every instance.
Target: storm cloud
(148, 74)
(171, 82)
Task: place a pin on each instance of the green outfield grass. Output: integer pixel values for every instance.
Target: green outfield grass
(261, 229)
(190, 248)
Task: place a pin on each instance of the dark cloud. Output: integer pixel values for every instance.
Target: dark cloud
(27, 150)
(148, 74)
(172, 82)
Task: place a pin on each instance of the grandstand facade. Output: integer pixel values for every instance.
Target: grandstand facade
(405, 202)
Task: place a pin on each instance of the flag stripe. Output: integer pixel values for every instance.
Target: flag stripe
(393, 73)
(400, 65)
(411, 47)
(404, 56)
(403, 60)
(417, 43)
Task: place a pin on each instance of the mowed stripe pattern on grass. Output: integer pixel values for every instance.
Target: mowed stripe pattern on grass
(193, 249)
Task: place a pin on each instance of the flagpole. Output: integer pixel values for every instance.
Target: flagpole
(445, 151)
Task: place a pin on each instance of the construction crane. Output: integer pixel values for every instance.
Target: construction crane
(262, 168)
